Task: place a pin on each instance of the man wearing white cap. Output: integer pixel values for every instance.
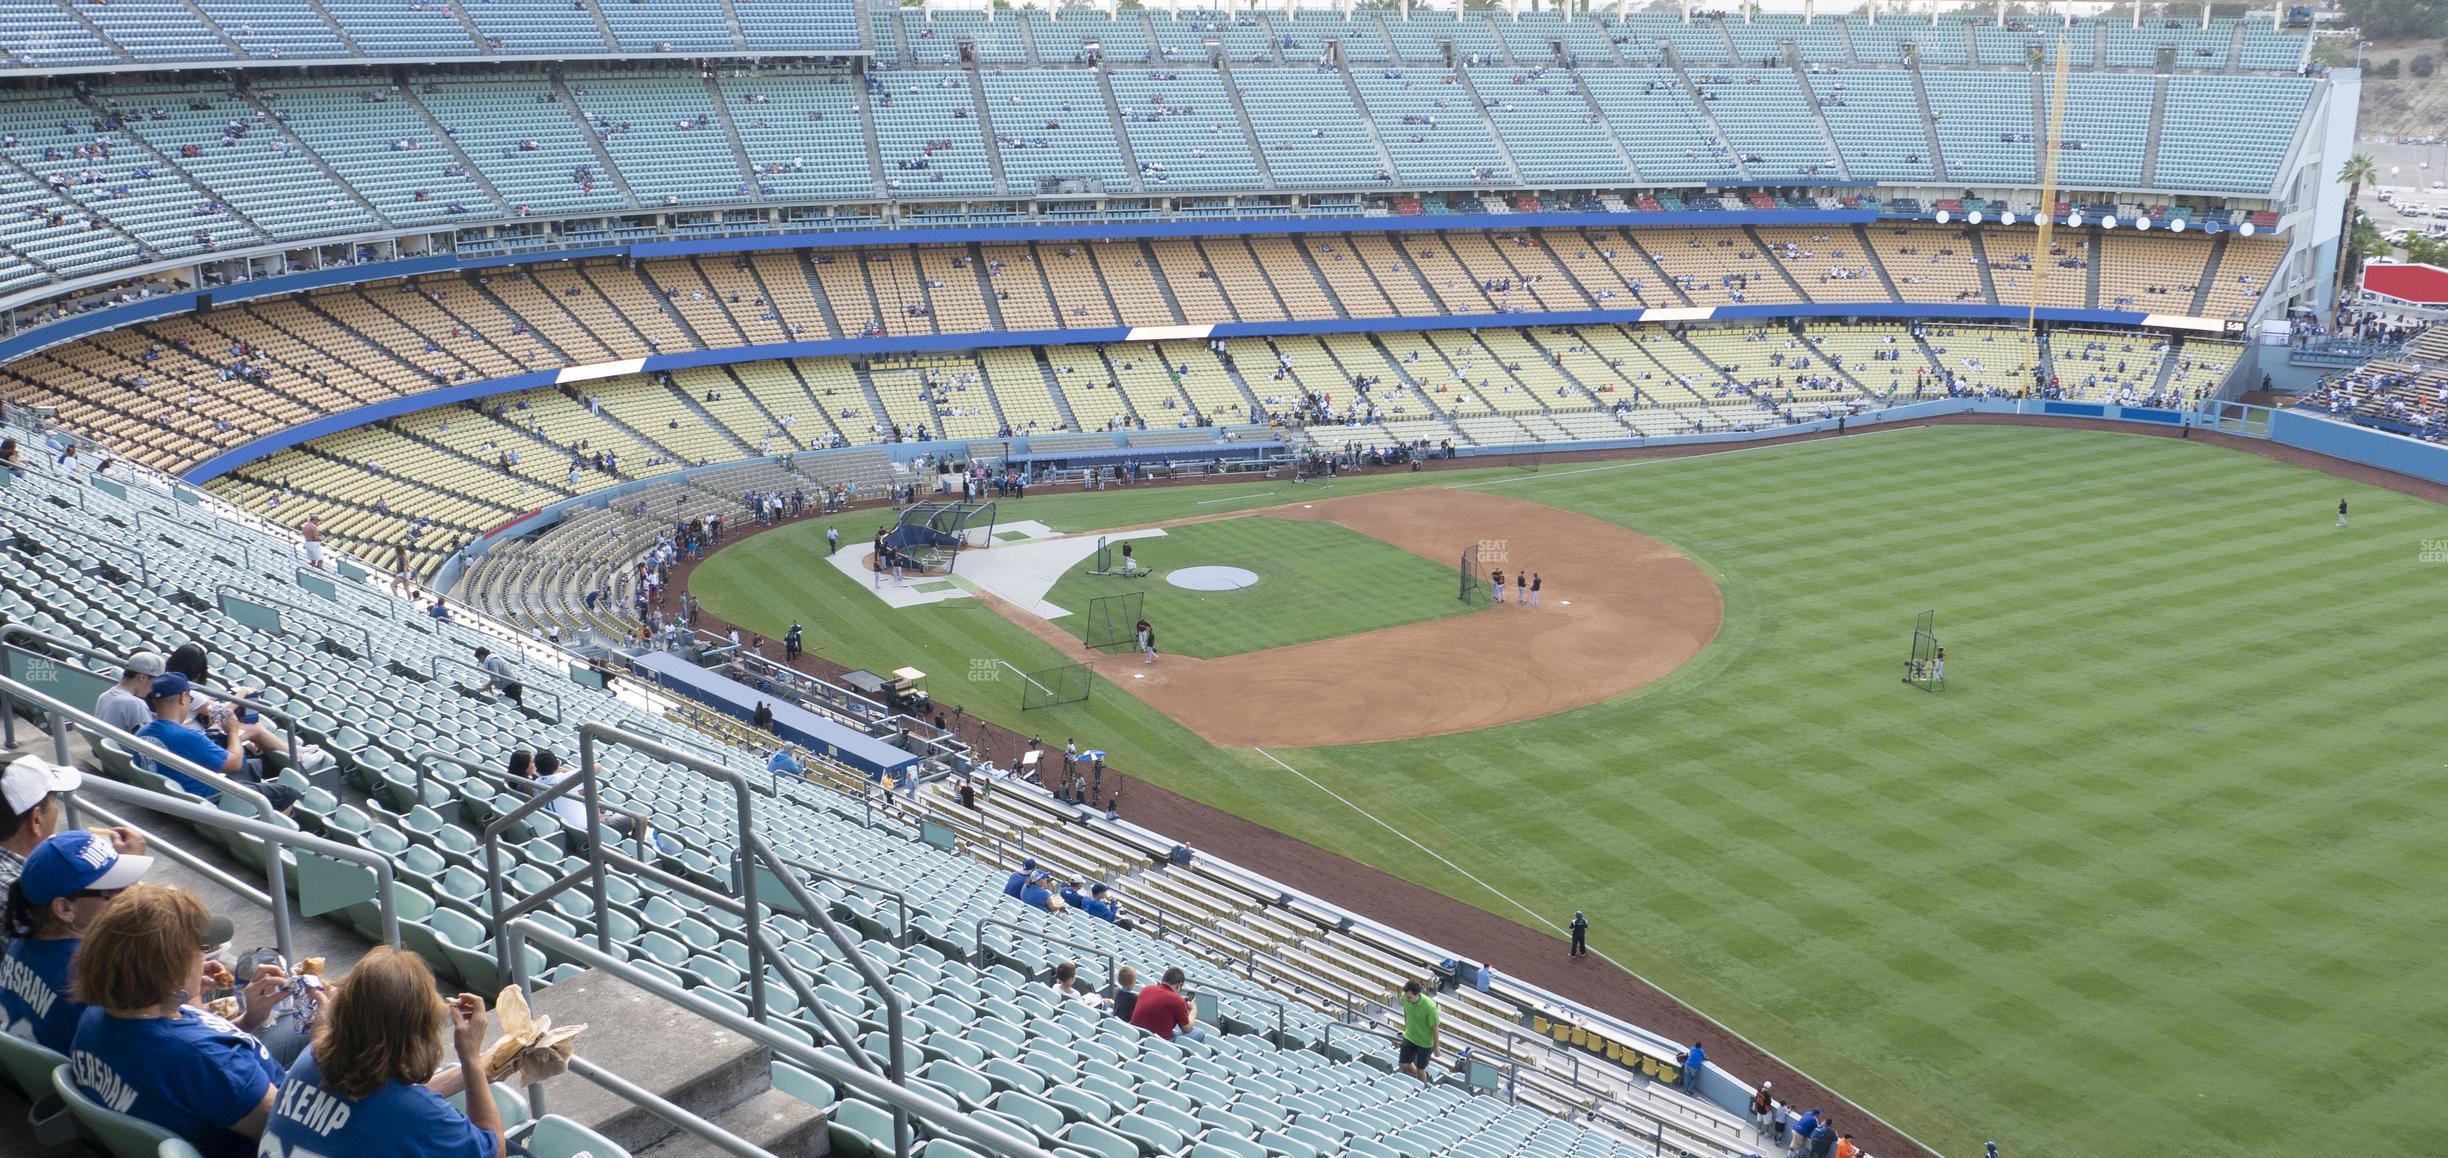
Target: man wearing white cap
(30, 812)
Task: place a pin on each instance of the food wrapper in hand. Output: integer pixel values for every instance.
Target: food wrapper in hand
(530, 1045)
(225, 1008)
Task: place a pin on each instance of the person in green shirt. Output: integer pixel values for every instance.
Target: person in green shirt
(1419, 1030)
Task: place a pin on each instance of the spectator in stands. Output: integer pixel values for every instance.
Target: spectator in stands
(786, 763)
(30, 813)
(67, 881)
(1071, 894)
(504, 680)
(142, 1050)
(1037, 894)
(312, 535)
(368, 1085)
(1802, 1130)
(1019, 881)
(1126, 992)
(172, 702)
(122, 705)
(571, 806)
(440, 609)
(1845, 1147)
(1823, 1139)
(10, 456)
(1763, 1106)
(1102, 905)
(1163, 1010)
(190, 660)
(1695, 1061)
(1419, 1036)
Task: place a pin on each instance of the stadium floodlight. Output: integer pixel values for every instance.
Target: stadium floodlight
(2247, 229)
(2006, 218)
(1974, 217)
(2074, 219)
(1944, 217)
(2142, 223)
(2108, 222)
(2177, 225)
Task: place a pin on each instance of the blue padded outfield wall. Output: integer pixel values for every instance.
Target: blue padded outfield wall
(2391, 452)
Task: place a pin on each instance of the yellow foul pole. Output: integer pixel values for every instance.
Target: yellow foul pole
(2050, 146)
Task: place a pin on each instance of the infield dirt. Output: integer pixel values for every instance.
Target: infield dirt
(1617, 610)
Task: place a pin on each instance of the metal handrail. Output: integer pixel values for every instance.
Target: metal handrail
(275, 837)
(289, 727)
(85, 540)
(753, 851)
(977, 936)
(228, 590)
(246, 558)
(899, 899)
(904, 1101)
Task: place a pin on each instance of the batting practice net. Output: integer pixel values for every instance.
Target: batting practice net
(1113, 621)
(1053, 686)
(1925, 667)
(1471, 591)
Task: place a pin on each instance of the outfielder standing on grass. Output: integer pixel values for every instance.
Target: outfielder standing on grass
(1147, 640)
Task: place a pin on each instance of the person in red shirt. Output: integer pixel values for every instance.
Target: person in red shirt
(1162, 1011)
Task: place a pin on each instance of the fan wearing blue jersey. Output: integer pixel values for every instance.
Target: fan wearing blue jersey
(367, 1087)
(67, 881)
(140, 1048)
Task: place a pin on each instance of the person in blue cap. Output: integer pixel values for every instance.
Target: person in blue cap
(1802, 1130)
(1019, 880)
(1037, 894)
(1101, 904)
(67, 881)
(172, 701)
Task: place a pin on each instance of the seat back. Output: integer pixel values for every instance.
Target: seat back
(121, 1135)
(557, 1137)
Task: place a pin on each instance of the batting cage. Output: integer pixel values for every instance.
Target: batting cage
(1925, 667)
(931, 535)
(1054, 686)
(1113, 621)
(1471, 590)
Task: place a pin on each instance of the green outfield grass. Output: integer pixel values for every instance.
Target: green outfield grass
(1316, 580)
(2158, 874)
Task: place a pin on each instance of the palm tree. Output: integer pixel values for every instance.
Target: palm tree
(2357, 169)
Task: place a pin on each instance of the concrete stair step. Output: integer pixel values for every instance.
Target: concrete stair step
(693, 1063)
(773, 1121)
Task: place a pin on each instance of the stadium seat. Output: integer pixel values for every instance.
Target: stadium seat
(121, 1135)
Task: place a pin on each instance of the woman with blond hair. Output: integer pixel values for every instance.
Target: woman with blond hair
(143, 1050)
(367, 1087)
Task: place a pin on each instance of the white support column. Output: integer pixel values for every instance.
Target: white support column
(1686, 11)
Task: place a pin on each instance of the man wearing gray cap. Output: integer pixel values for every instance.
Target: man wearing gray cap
(122, 705)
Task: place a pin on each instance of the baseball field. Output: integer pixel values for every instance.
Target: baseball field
(2157, 874)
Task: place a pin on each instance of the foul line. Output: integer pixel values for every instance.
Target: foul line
(1635, 974)
(1497, 482)
(1237, 498)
